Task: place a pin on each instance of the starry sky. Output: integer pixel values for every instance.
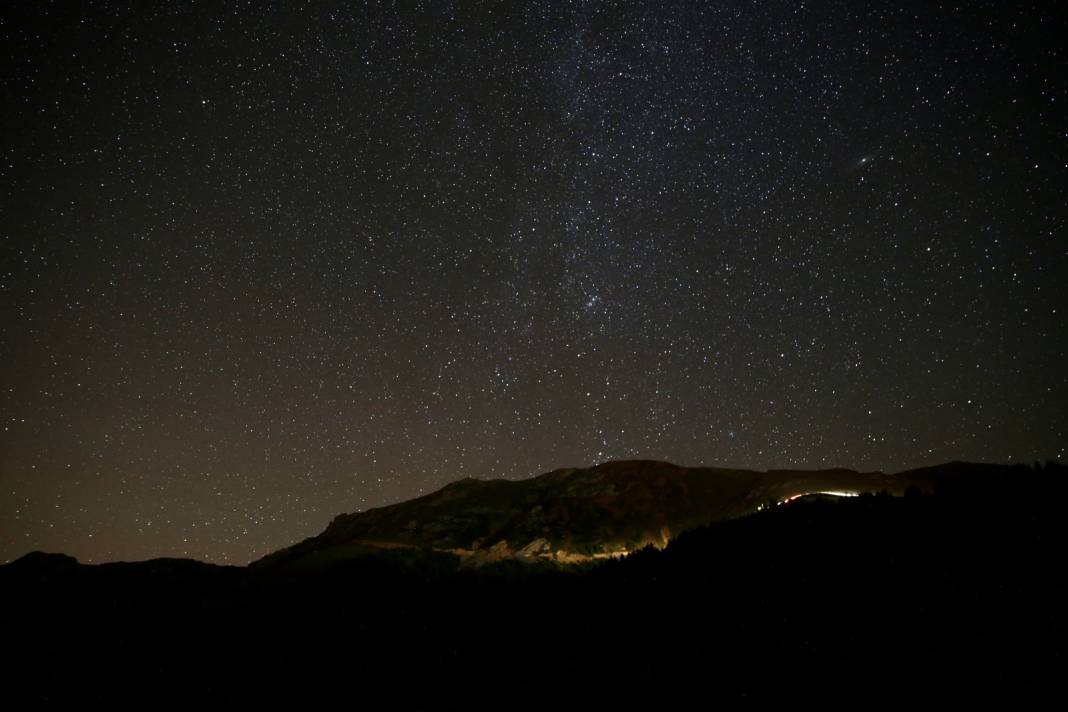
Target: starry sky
(265, 263)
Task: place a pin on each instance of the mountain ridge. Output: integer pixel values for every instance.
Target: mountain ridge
(570, 515)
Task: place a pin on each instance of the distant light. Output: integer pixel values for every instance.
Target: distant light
(829, 493)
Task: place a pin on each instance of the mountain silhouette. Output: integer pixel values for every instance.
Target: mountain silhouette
(580, 514)
(953, 586)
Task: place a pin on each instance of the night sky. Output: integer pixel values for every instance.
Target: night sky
(264, 265)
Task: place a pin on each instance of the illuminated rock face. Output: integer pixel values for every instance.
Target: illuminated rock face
(574, 515)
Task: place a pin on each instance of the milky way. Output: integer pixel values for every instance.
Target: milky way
(263, 265)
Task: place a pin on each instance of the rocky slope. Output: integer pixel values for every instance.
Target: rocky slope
(572, 515)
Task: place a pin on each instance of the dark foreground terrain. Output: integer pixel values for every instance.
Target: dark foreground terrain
(941, 596)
